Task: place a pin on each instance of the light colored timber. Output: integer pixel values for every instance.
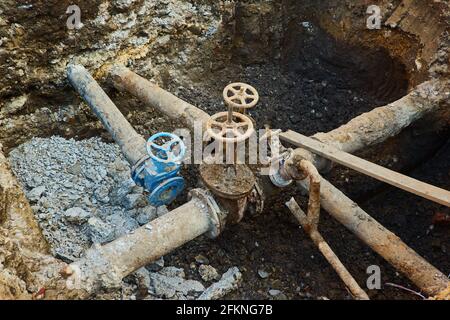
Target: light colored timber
(378, 172)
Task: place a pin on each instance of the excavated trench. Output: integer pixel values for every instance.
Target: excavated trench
(314, 72)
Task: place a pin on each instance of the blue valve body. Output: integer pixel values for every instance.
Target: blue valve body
(159, 172)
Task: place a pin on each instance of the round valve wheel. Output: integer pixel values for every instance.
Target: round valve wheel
(166, 147)
(240, 95)
(237, 129)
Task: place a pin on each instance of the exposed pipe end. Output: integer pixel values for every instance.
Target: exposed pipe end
(92, 273)
(117, 75)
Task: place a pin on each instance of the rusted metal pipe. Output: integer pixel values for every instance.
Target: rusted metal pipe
(419, 102)
(160, 99)
(368, 168)
(311, 172)
(322, 245)
(131, 143)
(429, 279)
(104, 267)
(310, 223)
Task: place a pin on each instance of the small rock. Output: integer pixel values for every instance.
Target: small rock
(173, 272)
(102, 194)
(118, 194)
(274, 292)
(168, 287)
(75, 169)
(230, 281)
(208, 273)
(201, 259)
(15, 104)
(142, 277)
(134, 200)
(122, 223)
(156, 266)
(160, 211)
(76, 215)
(263, 274)
(36, 193)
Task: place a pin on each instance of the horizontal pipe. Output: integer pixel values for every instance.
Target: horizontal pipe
(105, 266)
(368, 168)
(153, 96)
(131, 143)
(382, 123)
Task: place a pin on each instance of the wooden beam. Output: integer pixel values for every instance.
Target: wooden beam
(393, 178)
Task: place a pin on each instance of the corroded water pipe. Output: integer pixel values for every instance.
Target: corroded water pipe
(160, 99)
(381, 123)
(310, 223)
(131, 143)
(424, 275)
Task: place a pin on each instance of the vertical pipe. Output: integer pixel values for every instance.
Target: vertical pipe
(380, 239)
(131, 143)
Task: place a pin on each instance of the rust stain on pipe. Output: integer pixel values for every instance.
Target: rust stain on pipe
(160, 99)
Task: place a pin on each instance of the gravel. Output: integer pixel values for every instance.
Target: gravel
(81, 192)
(76, 215)
(274, 292)
(263, 274)
(168, 285)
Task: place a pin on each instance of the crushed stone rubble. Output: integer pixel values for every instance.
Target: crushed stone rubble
(81, 193)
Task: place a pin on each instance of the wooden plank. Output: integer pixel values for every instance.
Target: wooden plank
(393, 178)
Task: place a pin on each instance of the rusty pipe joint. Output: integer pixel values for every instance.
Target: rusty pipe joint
(104, 266)
(288, 167)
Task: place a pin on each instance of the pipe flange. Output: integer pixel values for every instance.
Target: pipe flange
(278, 175)
(217, 215)
(278, 180)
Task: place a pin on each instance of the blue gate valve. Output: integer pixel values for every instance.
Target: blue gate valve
(158, 173)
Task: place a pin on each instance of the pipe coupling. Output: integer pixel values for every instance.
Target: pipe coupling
(216, 215)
